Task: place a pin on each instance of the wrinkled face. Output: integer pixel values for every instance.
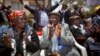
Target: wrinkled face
(53, 19)
(19, 22)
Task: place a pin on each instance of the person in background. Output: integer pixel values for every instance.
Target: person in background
(87, 26)
(97, 14)
(77, 11)
(77, 29)
(65, 14)
(92, 44)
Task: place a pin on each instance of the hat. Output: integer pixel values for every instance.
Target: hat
(54, 13)
(15, 14)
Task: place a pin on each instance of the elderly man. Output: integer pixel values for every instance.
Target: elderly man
(58, 38)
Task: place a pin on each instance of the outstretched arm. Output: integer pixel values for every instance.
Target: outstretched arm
(49, 4)
(54, 7)
(36, 1)
(43, 3)
(31, 9)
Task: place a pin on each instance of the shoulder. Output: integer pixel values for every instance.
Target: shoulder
(65, 25)
(5, 27)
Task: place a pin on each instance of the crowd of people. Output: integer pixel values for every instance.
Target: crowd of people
(63, 33)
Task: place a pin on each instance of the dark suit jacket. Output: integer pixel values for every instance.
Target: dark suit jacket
(76, 31)
(65, 15)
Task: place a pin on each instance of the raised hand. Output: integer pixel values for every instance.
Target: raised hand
(36, 1)
(58, 30)
(51, 29)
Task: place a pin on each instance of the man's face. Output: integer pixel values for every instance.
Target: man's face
(76, 21)
(53, 19)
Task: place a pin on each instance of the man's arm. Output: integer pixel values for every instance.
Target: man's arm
(66, 36)
(49, 4)
(54, 7)
(31, 9)
(36, 1)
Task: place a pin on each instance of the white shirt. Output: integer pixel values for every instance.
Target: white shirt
(44, 20)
